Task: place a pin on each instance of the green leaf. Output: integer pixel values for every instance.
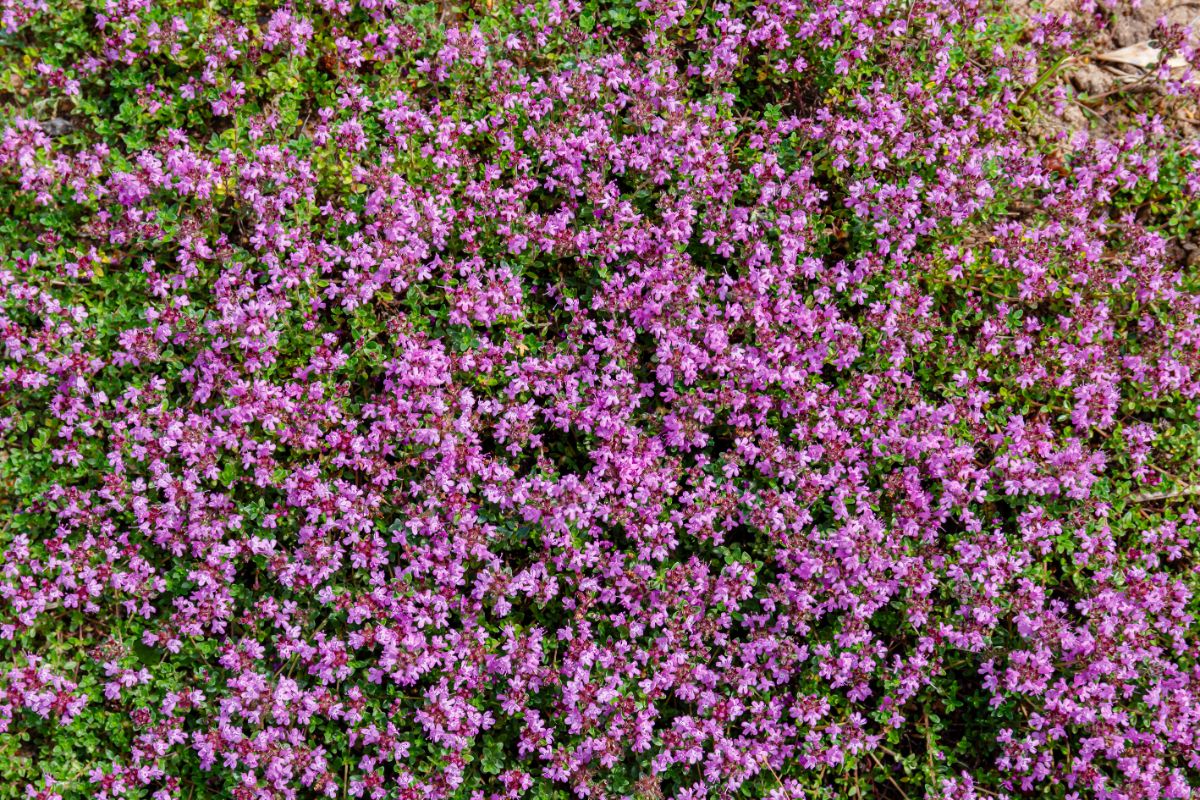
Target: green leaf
(492, 760)
(147, 655)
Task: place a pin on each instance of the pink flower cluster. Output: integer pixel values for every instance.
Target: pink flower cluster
(597, 400)
(35, 688)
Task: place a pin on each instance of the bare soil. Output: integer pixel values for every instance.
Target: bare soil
(1106, 99)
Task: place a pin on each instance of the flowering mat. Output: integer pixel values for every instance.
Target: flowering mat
(785, 399)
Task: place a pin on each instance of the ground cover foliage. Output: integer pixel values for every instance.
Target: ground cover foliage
(744, 399)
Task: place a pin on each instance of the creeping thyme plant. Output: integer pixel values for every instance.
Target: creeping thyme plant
(595, 399)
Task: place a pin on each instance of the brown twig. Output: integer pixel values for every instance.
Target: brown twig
(1150, 497)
